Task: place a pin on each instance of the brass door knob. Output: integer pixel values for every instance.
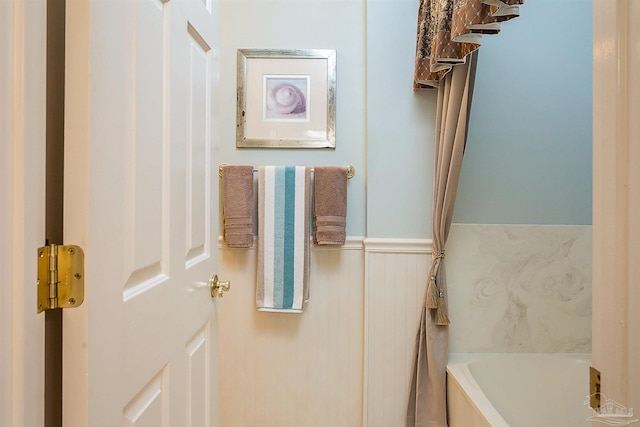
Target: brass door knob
(217, 287)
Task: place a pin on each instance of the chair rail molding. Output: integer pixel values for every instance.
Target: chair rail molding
(397, 246)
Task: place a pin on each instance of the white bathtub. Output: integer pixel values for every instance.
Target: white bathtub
(517, 390)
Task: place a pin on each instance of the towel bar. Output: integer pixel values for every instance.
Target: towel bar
(351, 170)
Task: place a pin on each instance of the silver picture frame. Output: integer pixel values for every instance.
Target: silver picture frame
(286, 98)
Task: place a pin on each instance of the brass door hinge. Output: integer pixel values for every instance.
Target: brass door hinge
(594, 388)
(60, 277)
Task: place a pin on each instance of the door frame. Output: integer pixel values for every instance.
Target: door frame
(616, 207)
(22, 224)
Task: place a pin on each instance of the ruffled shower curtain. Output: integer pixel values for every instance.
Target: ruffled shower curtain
(449, 33)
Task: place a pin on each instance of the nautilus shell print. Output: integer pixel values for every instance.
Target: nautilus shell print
(286, 98)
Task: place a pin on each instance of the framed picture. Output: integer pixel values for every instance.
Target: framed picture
(286, 98)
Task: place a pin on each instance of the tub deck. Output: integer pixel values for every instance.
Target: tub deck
(517, 390)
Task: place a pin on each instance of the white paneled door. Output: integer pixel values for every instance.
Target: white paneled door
(141, 199)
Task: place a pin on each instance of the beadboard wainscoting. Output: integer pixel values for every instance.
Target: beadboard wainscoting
(284, 369)
(346, 360)
(395, 281)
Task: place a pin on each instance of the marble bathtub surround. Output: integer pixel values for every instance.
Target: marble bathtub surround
(519, 288)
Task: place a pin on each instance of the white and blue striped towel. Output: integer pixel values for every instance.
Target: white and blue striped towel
(283, 238)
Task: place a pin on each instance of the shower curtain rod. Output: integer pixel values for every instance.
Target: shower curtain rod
(351, 170)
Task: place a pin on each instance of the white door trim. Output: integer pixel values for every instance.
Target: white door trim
(616, 206)
(22, 199)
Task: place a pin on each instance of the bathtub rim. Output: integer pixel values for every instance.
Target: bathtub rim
(458, 368)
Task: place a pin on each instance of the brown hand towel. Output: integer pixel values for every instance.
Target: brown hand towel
(238, 205)
(330, 205)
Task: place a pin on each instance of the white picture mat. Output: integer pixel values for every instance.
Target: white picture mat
(256, 127)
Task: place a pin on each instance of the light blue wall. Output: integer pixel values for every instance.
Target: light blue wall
(400, 126)
(302, 24)
(528, 156)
